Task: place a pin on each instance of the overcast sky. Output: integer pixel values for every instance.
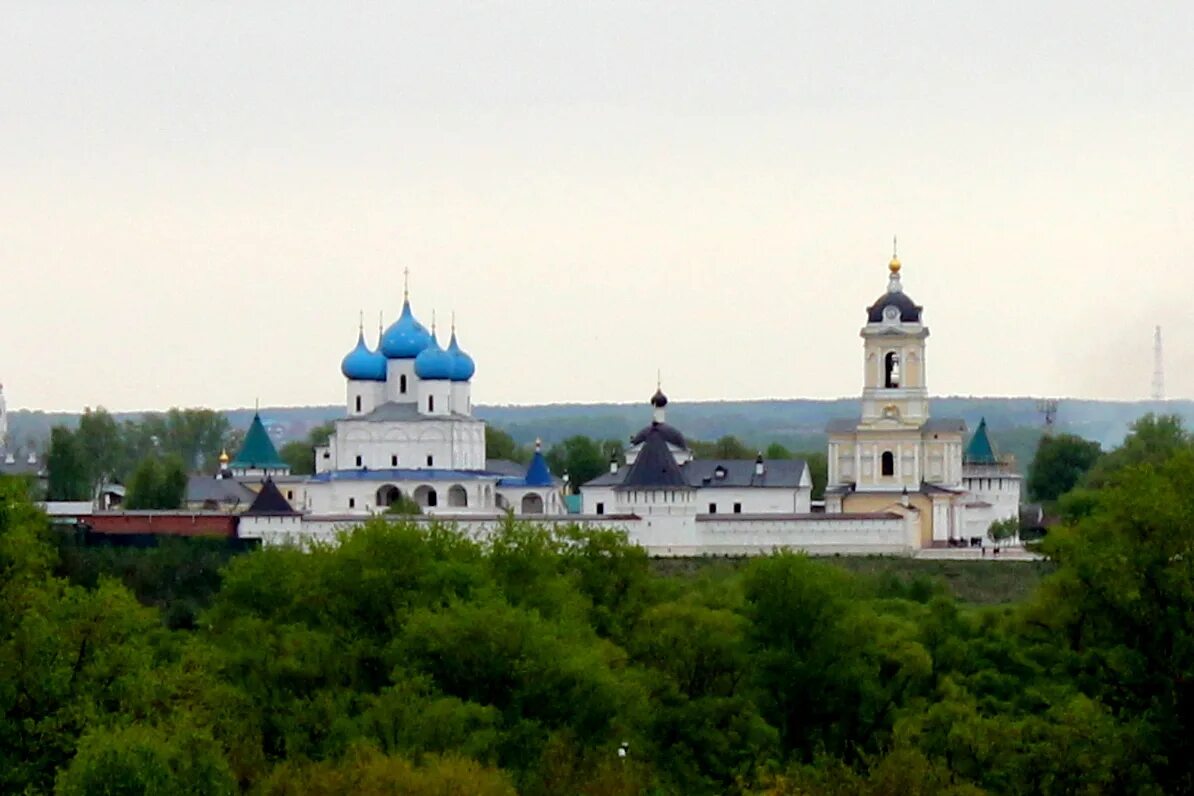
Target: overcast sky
(197, 199)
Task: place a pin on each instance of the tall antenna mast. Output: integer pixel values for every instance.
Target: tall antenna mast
(1158, 367)
(1048, 409)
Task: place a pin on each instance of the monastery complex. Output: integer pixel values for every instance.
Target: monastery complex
(899, 479)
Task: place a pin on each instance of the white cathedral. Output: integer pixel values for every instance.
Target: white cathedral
(899, 480)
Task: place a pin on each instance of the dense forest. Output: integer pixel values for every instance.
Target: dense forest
(412, 661)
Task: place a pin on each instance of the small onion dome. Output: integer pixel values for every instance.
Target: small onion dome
(434, 362)
(362, 364)
(406, 338)
(463, 366)
(659, 400)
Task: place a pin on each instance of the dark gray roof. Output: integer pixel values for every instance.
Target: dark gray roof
(909, 309)
(741, 472)
(406, 412)
(202, 488)
(701, 473)
(20, 464)
(609, 479)
(270, 501)
(654, 466)
(505, 467)
(671, 435)
(946, 424)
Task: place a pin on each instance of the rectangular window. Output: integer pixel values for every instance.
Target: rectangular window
(358, 403)
(737, 508)
(359, 461)
(600, 508)
(394, 460)
(430, 403)
(430, 460)
(712, 508)
(352, 503)
(290, 494)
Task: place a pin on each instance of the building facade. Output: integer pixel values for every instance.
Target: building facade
(408, 438)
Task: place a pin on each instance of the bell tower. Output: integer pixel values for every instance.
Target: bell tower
(894, 394)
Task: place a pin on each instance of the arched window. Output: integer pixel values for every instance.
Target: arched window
(457, 497)
(425, 496)
(402, 384)
(532, 504)
(430, 403)
(387, 496)
(358, 403)
(888, 463)
(891, 367)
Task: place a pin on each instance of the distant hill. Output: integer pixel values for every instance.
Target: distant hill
(798, 423)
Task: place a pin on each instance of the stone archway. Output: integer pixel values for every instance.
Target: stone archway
(426, 497)
(388, 495)
(457, 496)
(532, 503)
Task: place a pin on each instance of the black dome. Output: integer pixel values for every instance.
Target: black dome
(909, 309)
(670, 434)
(659, 399)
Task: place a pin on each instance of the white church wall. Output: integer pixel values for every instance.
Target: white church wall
(446, 444)
(819, 535)
(462, 398)
(435, 397)
(754, 500)
(401, 373)
(364, 396)
(663, 535)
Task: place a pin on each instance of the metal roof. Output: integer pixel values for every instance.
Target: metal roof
(258, 451)
(702, 474)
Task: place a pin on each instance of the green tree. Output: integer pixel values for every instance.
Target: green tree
(578, 456)
(143, 760)
(101, 446)
(727, 447)
(1059, 464)
(300, 456)
(404, 505)
(1002, 530)
(500, 445)
(1152, 439)
(777, 451)
(1120, 604)
(157, 483)
(818, 470)
(195, 435)
(68, 477)
(319, 435)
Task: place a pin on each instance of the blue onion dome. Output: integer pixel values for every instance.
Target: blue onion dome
(434, 362)
(463, 366)
(363, 364)
(406, 337)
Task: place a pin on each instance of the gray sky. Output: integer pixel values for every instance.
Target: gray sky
(199, 197)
